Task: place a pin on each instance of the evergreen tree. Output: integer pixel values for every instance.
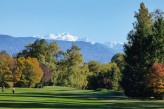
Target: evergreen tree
(155, 75)
(158, 37)
(138, 56)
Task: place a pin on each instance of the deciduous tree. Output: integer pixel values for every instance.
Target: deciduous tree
(156, 79)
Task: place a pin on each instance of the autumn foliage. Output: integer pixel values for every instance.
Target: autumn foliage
(30, 71)
(156, 78)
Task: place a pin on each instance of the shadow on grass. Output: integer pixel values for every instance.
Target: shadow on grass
(82, 96)
(70, 100)
(81, 105)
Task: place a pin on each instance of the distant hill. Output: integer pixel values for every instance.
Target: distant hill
(90, 51)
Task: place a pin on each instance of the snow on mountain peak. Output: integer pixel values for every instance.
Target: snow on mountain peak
(65, 36)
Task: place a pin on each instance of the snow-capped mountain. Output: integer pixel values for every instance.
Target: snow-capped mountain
(97, 51)
(65, 36)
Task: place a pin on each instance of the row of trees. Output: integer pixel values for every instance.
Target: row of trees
(44, 63)
(21, 71)
(143, 74)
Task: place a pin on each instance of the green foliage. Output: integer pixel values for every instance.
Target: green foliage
(157, 49)
(40, 62)
(21, 83)
(94, 67)
(45, 53)
(108, 77)
(72, 72)
(145, 46)
(115, 77)
(35, 50)
(119, 59)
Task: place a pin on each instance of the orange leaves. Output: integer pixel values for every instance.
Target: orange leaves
(156, 77)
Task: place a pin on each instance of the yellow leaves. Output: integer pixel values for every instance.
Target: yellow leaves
(6, 66)
(31, 70)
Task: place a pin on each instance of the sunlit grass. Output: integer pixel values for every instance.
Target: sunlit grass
(69, 98)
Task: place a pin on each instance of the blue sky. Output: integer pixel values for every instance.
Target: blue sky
(98, 20)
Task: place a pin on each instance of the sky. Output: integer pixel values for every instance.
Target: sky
(99, 20)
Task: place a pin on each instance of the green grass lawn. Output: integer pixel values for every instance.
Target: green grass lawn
(70, 98)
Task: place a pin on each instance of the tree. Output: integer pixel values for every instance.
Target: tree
(45, 53)
(110, 74)
(115, 77)
(74, 62)
(72, 71)
(156, 79)
(156, 72)
(84, 74)
(108, 77)
(46, 79)
(119, 59)
(157, 49)
(94, 66)
(30, 71)
(6, 68)
(138, 56)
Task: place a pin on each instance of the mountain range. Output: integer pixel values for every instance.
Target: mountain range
(89, 49)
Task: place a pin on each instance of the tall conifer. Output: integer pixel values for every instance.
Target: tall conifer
(138, 55)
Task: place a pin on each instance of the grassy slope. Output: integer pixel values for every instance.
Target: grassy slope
(69, 98)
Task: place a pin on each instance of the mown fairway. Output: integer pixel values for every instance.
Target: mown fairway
(69, 98)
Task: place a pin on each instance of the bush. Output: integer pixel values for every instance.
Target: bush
(20, 83)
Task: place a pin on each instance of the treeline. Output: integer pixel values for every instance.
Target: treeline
(23, 72)
(41, 64)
